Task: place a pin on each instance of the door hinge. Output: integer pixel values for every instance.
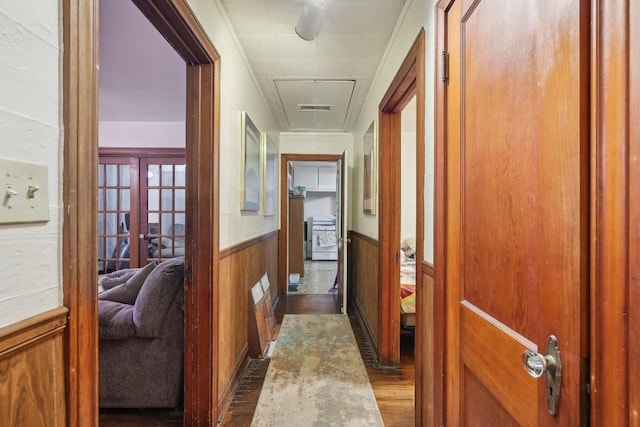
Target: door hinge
(445, 66)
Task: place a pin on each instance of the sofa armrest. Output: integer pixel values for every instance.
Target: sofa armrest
(115, 320)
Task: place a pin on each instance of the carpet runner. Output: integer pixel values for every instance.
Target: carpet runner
(316, 377)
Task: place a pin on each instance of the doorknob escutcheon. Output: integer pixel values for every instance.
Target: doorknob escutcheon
(550, 363)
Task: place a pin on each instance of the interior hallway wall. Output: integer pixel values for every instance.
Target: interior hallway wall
(239, 92)
(408, 174)
(30, 125)
(416, 14)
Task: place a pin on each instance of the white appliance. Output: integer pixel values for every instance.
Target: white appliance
(324, 244)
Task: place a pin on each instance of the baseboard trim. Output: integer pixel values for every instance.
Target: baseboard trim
(226, 392)
(367, 326)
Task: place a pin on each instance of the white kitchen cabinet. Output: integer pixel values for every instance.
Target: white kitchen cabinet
(306, 176)
(315, 178)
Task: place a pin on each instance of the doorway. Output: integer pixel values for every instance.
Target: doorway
(292, 212)
(312, 195)
(177, 23)
(408, 84)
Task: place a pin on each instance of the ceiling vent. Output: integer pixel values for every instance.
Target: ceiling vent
(314, 107)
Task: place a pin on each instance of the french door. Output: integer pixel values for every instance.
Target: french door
(141, 209)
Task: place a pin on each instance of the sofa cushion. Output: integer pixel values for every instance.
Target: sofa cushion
(115, 320)
(127, 292)
(115, 278)
(155, 297)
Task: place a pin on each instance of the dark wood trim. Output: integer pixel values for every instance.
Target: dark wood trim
(440, 222)
(634, 210)
(141, 152)
(365, 323)
(228, 389)
(246, 244)
(177, 23)
(285, 158)
(79, 255)
(175, 20)
(615, 214)
(364, 237)
(408, 82)
(22, 334)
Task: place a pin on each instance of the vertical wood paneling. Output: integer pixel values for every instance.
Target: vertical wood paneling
(32, 389)
(614, 213)
(364, 283)
(431, 365)
(634, 214)
(241, 267)
(79, 254)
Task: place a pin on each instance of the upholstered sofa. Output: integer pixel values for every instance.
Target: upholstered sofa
(141, 346)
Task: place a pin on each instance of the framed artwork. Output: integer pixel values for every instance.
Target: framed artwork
(370, 144)
(251, 165)
(269, 180)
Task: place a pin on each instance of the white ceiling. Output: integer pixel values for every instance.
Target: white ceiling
(349, 46)
(142, 78)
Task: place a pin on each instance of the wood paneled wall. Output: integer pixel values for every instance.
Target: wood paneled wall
(241, 267)
(32, 379)
(363, 265)
(430, 370)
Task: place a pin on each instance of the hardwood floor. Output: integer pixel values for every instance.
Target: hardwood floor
(393, 387)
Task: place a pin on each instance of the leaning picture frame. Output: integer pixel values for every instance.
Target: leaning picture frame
(370, 174)
(269, 179)
(251, 165)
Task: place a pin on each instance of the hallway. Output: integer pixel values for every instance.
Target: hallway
(394, 388)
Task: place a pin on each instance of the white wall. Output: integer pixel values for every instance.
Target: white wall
(323, 143)
(141, 134)
(408, 174)
(239, 92)
(416, 15)
(316, 142)
(30, 129)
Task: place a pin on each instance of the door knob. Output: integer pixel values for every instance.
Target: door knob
(537, 364)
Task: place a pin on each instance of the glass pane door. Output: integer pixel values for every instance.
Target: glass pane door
(114, 214)
(163, 194)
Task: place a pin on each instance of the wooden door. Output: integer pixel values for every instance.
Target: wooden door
(341, 229)
(516, 207)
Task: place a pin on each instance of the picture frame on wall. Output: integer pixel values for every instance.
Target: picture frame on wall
(269, 182)
(370, 174)
(251, 165)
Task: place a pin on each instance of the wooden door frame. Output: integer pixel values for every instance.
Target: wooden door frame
(615, 211)
(175, 20)
(408, 82)
(285, 158)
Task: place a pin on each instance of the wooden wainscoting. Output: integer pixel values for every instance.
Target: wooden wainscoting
(32, 390)
(364, 283)
(241, 267)
(429, 349)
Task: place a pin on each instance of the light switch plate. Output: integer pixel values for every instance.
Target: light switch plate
(24, 192)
